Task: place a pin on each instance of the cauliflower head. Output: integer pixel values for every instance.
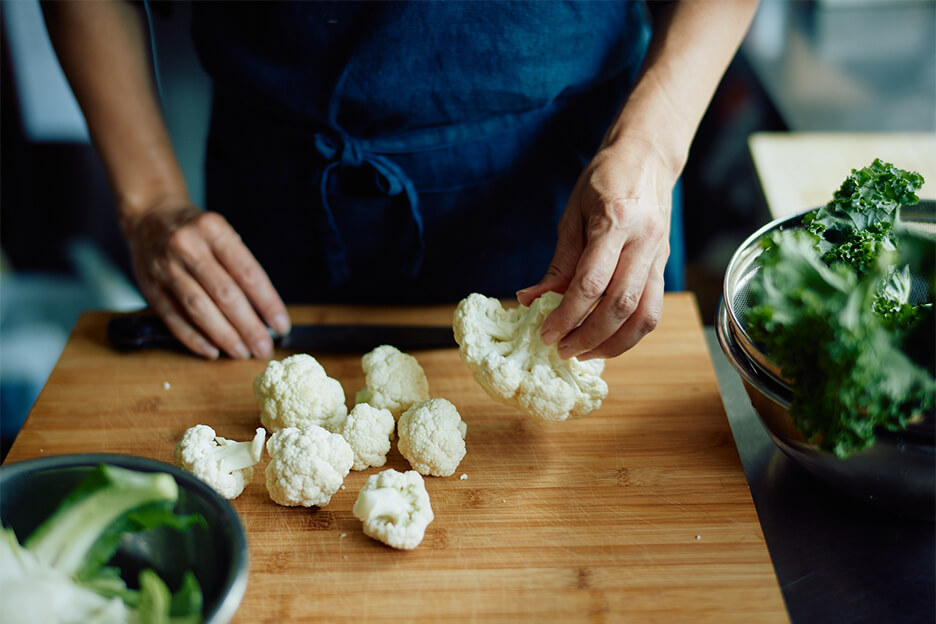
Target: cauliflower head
(503, 349)
(394, 507)
(296, 392)
(368, 430)
(225, 465)
(432, 437)
(394, 380)
(307, 466)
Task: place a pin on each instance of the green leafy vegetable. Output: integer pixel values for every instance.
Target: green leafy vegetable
(65, 558)
(832, 308)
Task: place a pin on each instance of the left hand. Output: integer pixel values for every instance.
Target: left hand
(613, 245)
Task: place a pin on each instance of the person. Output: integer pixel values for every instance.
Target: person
(406, 152)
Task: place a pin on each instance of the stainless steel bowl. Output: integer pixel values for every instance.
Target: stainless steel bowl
(218, 554)
(898, 471)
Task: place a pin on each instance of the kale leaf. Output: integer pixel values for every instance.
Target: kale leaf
(831, 307)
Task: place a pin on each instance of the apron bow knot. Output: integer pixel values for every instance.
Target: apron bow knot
(389, 179)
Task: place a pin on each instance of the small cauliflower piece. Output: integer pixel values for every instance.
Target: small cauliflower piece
(368, 430)
(296, 392)
(225, 465)
(506, 356)
(307, 466)
(394, 380)
(395, 509)
(432, 437)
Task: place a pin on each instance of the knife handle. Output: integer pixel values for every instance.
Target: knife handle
(140, 331)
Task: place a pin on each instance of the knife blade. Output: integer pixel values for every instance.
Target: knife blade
(133, 332)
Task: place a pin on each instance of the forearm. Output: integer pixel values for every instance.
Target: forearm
(104, 50)
(692, 46)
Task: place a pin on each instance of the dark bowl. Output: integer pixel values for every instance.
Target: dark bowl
(217, 553)
(897, 473)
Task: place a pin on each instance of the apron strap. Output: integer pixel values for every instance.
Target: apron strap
(389, 179)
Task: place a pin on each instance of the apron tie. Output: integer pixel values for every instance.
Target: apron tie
(389, 179)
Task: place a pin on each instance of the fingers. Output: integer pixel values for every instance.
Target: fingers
(620, 321)
(207, 286)
(166, 307)
(252, 279)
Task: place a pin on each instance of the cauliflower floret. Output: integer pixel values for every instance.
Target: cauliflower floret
(394, 379)
(307, 466)
(225, 465)
(296, 392)
(395, 509)
(368, 430)
(506, 356)
(432, 437)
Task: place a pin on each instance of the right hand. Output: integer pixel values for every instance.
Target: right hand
(198, 275)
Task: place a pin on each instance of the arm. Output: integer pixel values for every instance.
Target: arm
(613, 237)
(191, 265)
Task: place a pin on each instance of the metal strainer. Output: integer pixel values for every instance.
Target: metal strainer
(897, 471)
(744, 267)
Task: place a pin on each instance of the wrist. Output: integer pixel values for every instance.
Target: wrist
(139, 206)
(651, 119)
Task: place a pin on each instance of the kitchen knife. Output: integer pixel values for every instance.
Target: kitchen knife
(128, 333)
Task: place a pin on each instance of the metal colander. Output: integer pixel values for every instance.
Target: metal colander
(897, 471)
(744, 267)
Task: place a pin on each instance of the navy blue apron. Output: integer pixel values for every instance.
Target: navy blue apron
(408, 152)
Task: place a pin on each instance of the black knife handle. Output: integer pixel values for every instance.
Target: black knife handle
(140, 331)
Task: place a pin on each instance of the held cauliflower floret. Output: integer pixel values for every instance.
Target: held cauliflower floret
(296, 392)
(306, 466)
(225, 465)
(394, 380)
(368, 430)
(395, 509)
(507, 358)
(432, 437)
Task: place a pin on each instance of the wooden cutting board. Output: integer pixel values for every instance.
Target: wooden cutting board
(802, 170)
(638, 512)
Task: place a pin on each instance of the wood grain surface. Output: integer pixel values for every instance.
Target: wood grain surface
(639, 512)
(802, 170)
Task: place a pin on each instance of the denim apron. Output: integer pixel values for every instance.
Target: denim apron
(408, 152)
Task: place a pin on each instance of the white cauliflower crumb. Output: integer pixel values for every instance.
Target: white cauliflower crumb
(225, 465)
(307, 466)
(432, 437)
(395, 508)
(463, 477)
(297, 392)
(368, 430)
(507, 357)
(394, 380)
(166, 385)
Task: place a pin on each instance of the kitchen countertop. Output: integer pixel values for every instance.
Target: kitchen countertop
(640, 511)
(838, 560)
(801, 170)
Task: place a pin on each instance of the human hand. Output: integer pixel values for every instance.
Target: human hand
(612, 248)
(202, 280)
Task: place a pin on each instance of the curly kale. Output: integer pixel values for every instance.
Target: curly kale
(833, 311)
(857, 224)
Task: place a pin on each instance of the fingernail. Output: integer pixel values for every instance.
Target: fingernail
(207, 349)
(550, 336)
(263, 348)
(240, 351)
(566, 352)
(281, 323)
